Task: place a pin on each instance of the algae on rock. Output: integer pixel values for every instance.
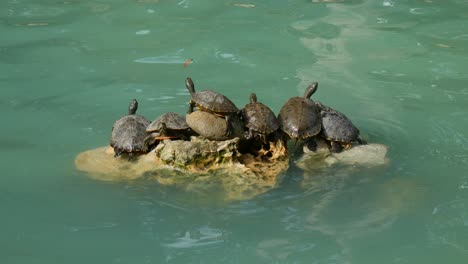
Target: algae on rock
(197, 165)
(197, 155)
(235, 168)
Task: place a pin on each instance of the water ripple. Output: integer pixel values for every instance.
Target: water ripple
(203, 236)
(245, 208)
(104, 225)
(226, 56)
(424, 10)
(164, 59)
(184, 3)
(443, 133)
(448, 225)
(387, 128)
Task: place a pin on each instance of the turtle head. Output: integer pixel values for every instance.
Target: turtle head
(253, 98)
(163, 129)
(189, 84)
(311, 90)
(132, 108)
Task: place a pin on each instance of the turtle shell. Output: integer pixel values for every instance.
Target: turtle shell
(213, 127)
(172, 120)
(336, 126)
(213, 102)
(300, 118)
(260, 118)
(207, 125)
(128, 133)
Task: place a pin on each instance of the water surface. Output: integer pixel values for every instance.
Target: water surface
(397, 68)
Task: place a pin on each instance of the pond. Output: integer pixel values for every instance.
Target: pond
(397, 68)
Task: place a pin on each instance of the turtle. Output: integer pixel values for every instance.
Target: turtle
(259, 119)
(212, 102)
(337, 129)
(213, 127)
(299, 117)
(129, 132)
(167, 126)
(207, 125)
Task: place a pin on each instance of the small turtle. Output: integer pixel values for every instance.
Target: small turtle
(300, 118)
(129, 132)
(337, 129)
(259, 119)
(212, 102)
(167, 126)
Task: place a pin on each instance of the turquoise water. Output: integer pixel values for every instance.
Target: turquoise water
(68, 69)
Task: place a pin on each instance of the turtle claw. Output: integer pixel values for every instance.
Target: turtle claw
(117, 152)
(247, 135)
(228, 132)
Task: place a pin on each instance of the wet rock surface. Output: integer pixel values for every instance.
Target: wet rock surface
(197, 165)
(359, 155)
(236, 168)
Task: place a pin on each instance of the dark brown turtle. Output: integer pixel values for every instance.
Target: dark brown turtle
(300, 118)
(258, 119)
(213, 102)
(129, 132)
(167, 126)
(337, 129)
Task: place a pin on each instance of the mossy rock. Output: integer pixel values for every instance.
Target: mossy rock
(197, 165)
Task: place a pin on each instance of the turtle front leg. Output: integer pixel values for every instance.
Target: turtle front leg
(311, 144)
(148, 142)
(249, 134)
(191, 106)
(335, 147)
(187, 134)
(229, 128)
(280, 135)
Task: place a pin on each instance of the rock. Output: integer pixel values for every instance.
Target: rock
(100, 164)
(199, 165)
(234, 169)
(368, 155)
(197, 155)
(347, 217)
(272, 159)
(323, 168)
(368, 214)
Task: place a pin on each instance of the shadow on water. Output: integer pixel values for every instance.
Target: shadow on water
(12, 144)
